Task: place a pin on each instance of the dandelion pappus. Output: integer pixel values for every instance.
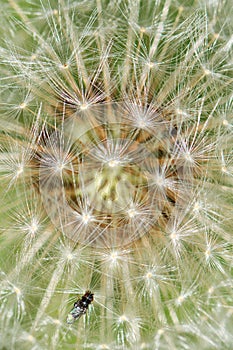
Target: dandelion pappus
(80, 307)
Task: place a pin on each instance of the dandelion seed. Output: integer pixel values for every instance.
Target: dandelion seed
(132, 213)
(103, 347)
(113, 163)
(33, 57)
(23, 105)
(86, 218)
(20, 170)
(30, 338)
(84, 106)
(123, 318)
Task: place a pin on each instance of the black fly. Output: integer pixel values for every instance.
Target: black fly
(80, 307)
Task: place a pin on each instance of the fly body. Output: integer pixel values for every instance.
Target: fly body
(80, 307)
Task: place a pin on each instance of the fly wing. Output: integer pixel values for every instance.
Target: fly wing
(75, 314)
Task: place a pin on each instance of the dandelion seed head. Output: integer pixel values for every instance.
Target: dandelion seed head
(151, 65)
(141, 124)
(224, 169)
(149, 275)
(59, 166)
(180, 299)
(160, 331)
(34, 226)
(128, 126)
(123, 318)
(23, 105)
(84, 106)
(197, 206)
(17, 291)
(68, 254)
(86, 218)
(211, 290)
(216, 36)
(207, 71)
(160, 180)
(225, 122)
(30, 338)
(143, 30)
(132, 213)
(33, 57)
(208, 253)
(174, 236)
(113, 163)
(57, 322)
(103, 347)
(65, 66)
(188, 157)
(19, 170)
(113, 257)
(181, 112)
